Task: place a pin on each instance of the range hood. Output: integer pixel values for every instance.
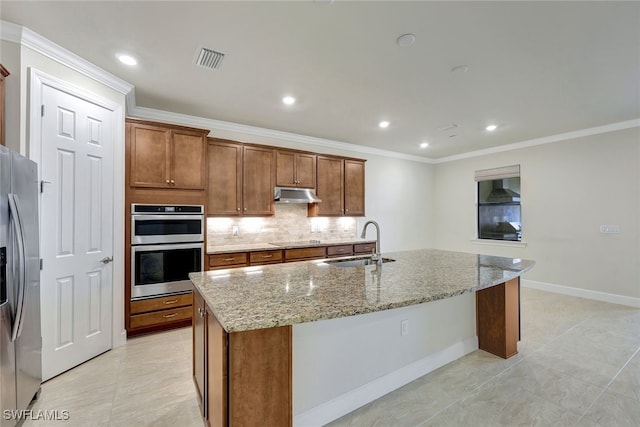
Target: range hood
(295, 195)
(499, 194)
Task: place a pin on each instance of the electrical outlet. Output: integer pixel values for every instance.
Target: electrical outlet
(404, 327)
(234, 230)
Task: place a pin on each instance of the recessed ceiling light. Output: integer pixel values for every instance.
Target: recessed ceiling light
(406, 40)
(384, 124)
(127, 59)
(491, 128)
(424, 145)
(289, 100)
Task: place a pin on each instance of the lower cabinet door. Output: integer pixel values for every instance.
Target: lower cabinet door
(199, 351)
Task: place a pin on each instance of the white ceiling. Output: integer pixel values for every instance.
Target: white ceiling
(535, 68)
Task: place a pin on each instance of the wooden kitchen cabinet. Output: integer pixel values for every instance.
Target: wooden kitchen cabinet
(304, 254)
(199, 350)
(3, 74)
(225, 178)
(152, 314)
(295, 169)
(354, 188)
(241, 179)
(329, 187)
(236, 373)
(340, 186)
(236, 259)
(265, 257)
(258, 180)
(339, 250)
(364, 248)
(166, 156)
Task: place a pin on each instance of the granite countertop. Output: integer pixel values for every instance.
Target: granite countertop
(252, 247)
(267, 296)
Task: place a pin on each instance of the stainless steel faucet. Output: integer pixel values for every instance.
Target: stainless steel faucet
(376, 256)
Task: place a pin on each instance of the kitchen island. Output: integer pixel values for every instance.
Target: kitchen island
(247, 350)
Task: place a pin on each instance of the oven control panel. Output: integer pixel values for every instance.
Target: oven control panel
(167, 209)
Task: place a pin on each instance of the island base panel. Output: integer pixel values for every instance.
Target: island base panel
(498, 318)
(260, 380)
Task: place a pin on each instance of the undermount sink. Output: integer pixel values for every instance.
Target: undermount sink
(355, 262)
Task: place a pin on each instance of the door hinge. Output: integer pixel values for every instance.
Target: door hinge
(42, 110)
(41, 262)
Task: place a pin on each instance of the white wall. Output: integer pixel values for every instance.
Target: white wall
(10, 58)
(569, 189)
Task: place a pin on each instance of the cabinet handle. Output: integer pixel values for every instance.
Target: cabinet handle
(228, 259)
(346, 210)
(201, 312)
(167, 316)
(267, 256)
(173, 301)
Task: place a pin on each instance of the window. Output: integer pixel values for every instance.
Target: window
(499, 203)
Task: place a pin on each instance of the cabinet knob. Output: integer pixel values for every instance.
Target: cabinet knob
(168, 181)
(172, 181)
(245, 209)
(238, 209)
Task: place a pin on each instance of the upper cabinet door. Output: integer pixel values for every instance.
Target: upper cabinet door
(306, 170)
(150, 156)
(285, 169)
(258, 180)
(188, 160)
(295, 169)
(166, 156)
(225, 178)
(329, 188)
(353, 188)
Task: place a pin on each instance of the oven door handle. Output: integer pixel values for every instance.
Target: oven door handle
(147, 217)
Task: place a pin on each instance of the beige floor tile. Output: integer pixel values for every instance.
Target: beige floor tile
(627, 383)
(612, 410)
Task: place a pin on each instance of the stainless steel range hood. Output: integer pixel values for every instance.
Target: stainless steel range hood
(295, 195)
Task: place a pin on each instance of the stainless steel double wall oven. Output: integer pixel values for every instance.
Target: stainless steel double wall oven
(167, 243)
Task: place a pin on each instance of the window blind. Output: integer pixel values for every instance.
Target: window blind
(498, 173)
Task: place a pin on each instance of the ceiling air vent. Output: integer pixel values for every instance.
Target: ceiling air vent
(209, 58)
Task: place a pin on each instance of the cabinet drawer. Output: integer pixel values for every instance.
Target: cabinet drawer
(163, 303)
(339, 250)
(226, 260)
(160, 317)
(265, 257)
(305, 253)
(365, 248)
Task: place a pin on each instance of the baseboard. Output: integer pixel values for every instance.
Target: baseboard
(582, 293)
(352, 400)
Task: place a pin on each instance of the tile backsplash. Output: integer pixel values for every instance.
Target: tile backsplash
(290, 223)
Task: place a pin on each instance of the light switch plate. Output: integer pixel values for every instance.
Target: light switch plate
(608, 229)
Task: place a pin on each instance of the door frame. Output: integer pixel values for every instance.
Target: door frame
(37, 80)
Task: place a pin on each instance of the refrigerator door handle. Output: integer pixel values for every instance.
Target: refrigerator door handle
(16, 220)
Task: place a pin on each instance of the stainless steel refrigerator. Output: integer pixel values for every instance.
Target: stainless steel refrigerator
(20, 339)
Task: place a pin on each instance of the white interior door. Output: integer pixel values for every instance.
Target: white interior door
(77, 230)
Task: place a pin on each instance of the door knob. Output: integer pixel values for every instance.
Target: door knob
(106, 260)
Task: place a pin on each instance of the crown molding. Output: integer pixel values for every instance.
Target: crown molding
(544, 140)
(211, 124)
(34, 41)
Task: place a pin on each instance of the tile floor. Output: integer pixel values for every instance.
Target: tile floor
(578, 365)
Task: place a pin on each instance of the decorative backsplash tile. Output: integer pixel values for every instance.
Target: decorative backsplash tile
(290, 223)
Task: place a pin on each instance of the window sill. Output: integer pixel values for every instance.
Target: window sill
(508, 243)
